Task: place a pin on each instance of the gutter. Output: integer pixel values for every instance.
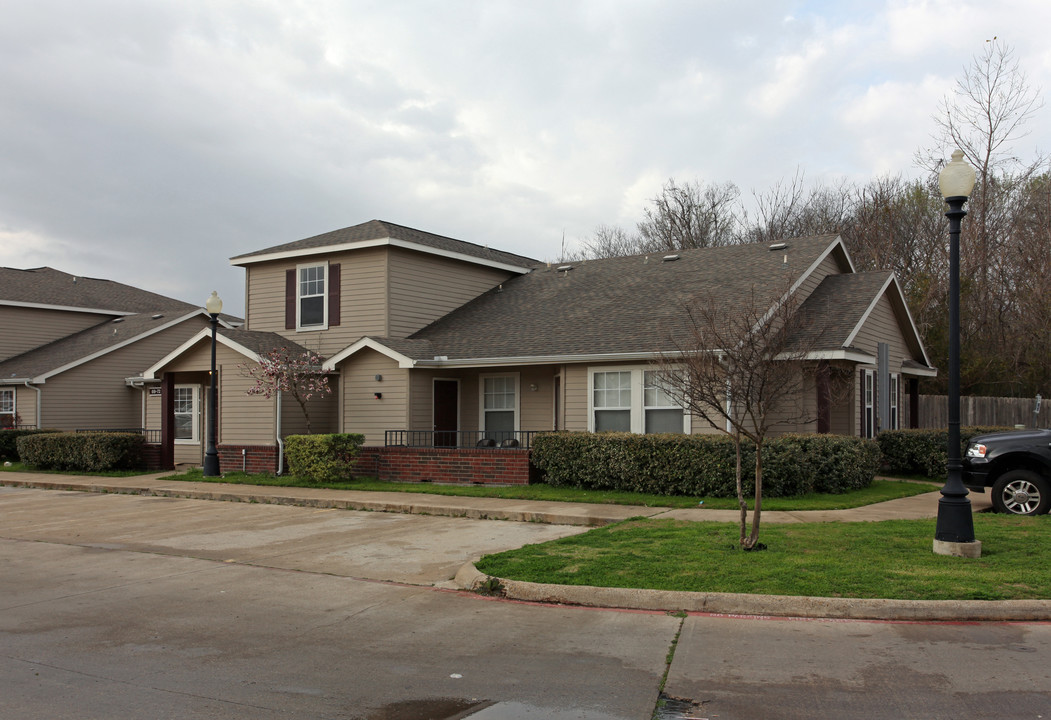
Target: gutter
(39, 393)
(280, 442)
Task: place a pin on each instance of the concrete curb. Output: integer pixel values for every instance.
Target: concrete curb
(469, 578)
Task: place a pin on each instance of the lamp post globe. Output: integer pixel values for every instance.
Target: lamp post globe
(214, 306)
(954, 533)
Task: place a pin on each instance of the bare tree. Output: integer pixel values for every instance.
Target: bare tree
(743, 368)
(610, 241)
(692, 215)
(985, 117)
(790, 209)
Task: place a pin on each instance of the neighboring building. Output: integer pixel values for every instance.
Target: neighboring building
(446, 342)
(72, 348)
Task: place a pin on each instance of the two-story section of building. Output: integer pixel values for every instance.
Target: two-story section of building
(432, 342)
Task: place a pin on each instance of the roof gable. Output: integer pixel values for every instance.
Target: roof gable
(840, 306)
(40, 364)
(253, 344)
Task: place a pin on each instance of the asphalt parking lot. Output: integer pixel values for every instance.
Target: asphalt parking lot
(125, 606)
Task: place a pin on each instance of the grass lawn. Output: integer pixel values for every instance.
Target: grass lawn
(891, 559)
(879, 491)
(21, 467)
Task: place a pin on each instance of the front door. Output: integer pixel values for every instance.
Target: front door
(446, 412)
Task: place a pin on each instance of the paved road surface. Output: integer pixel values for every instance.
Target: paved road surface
(116, 606)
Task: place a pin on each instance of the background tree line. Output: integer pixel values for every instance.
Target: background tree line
(894, 223)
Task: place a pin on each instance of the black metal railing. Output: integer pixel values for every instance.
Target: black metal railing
(460, 438)
(153, 437)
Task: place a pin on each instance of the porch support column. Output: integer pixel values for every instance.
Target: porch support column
(168, 421)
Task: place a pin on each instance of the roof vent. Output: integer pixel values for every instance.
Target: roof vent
(564, 268)
(117, 320)
(158, 316)
(779, 246)
(669, 258)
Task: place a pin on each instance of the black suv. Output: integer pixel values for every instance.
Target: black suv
(1016, 465)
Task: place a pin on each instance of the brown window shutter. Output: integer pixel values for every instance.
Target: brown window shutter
(333, 294)
(290, 299)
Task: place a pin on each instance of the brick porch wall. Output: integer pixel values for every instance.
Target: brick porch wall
(256, 458)
(504, 466)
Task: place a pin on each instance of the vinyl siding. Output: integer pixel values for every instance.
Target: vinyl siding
(243, 419)
(881, 326)
(94, 395)
(25, 403)
(575, 380)
(423, 288)
(323, 410)
(361, 411)
(23, 329)
(363, 299)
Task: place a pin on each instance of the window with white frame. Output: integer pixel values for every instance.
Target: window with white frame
(663, 413)
(310, 296)
(499, 406)
(611, 399)
(869, 410)
(7, 408)
(187, 410)
(894, 420)
(633, 400)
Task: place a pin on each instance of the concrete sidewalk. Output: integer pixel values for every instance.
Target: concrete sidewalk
(557, 513)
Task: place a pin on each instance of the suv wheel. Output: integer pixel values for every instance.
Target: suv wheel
(1021, 492)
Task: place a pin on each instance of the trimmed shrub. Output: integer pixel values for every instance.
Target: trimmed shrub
(86, 452)
(924, 452)
(9, 442)
(704, 465)
(323, 458)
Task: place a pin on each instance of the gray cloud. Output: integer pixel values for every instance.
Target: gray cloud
(149, 142)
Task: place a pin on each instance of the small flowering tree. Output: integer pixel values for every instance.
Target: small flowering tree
(297, 374)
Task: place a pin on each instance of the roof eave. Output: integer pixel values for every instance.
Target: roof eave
(245, 260)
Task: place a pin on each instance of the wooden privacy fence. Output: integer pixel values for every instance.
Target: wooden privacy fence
(934, 411)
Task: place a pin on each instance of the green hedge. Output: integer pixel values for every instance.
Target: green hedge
(924, 452)
(704, 465)
(9, 442)
(323, 458)
(88, 452)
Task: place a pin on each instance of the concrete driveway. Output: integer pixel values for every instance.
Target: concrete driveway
(417, 549)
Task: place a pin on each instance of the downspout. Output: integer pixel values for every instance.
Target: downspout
(38, 403)
(280, 442)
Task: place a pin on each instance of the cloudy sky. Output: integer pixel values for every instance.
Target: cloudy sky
(148, 141)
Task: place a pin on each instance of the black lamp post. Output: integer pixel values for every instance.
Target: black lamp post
(954, 534)
(214, 306)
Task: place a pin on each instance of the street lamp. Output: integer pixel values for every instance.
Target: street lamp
(214, 306)
(954, 534)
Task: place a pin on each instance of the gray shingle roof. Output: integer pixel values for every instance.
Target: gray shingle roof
(616, 305)
(47, 286)
(59, 353)
(260, 342)
(381, 230)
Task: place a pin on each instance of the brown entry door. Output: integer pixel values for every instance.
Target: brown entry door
(446, 412)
